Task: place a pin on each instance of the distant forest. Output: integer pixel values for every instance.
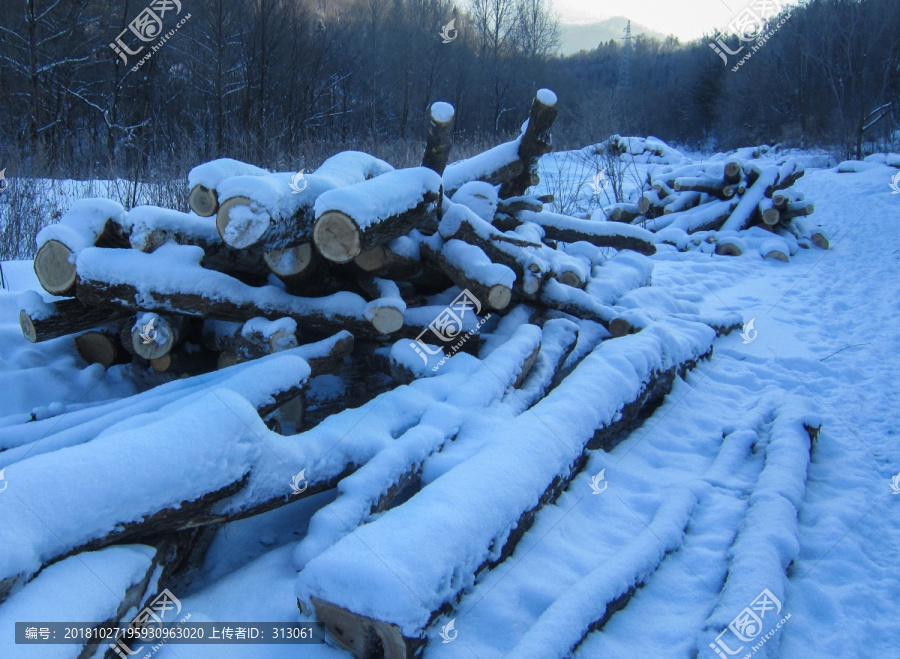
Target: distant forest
(285, 83)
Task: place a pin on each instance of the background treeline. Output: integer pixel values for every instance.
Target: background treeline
(285, 83)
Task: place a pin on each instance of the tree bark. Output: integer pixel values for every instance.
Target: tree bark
(65, 317)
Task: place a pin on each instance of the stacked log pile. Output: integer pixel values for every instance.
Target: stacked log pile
(741, 204)
(274, 279)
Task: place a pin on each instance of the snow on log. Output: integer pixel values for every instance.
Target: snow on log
(293, 265)
(472, 517)
(441, 119)
(42, 321)
(470, 268)
(535, 142)
(277, 211)
(171, 279)
(374, 487)
(251, 340)
(495, 166)
(266, 383)
(570, 230)
(99, 586)
(747, 206)
(357, 218)
(707, 217)
(87, 223)
(204, 180)
(152, 476)
(519, 255)
(767, 541)
(589, 603)
(385, 311)
(150, 227)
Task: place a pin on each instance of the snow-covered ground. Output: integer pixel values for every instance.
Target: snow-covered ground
(722, 460)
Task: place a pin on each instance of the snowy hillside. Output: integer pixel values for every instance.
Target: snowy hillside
(672, 437)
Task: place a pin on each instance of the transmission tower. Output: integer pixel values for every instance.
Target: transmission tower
(625, 64)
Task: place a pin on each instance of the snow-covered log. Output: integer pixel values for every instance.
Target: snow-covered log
(251, 340)
(101, 346)
(150, 227)
(42, 321)
(705, 184)
(204, 180)
(358, 218)
(470, 268)
(154, 335)
(399, 259)
(409, 588)
(441, 119)
(278, 210)
(293, 265)
(567, 229)
(535, 142)
(87, 223)
(171, 279)
(518, 254)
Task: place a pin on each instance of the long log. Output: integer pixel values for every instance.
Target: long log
(88, 223)
(519, 255)
(470, 268)
(133, 280)
(358, 218)
(277, 211)
(397, 616)
(441, 119)
(749, 203)
(42, 321)
(705, 184)
(570, 230)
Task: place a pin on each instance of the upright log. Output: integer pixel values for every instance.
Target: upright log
(536, 142)
(441, 119)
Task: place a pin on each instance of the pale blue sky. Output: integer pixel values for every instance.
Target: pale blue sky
(687, 19)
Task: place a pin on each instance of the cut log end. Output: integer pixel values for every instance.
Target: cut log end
(820, 240)
(54, 268)
(226, 359)
(619, 327)
(777, 255)
(291, 261)
(27, 326)
(771, 216)
(97, 348)
(373, 259)
(728, 249)
(240, 233)
(337, 237)
(203, 201)
(387, 320)
(152, 342)
(361, 636)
